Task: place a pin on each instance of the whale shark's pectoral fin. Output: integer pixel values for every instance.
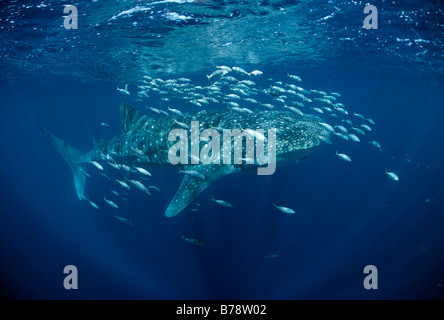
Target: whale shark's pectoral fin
(191, 187)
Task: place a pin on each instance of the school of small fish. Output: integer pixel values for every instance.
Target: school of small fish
(236, 89)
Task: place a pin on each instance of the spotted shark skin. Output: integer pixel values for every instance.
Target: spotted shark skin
(297, 137)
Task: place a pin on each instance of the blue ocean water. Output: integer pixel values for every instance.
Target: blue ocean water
(347, 214)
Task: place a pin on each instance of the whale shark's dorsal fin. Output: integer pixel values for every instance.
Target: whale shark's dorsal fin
(192, 187)
(128, 116)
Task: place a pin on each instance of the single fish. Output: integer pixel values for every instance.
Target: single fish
(124, 184)
(233, 96)
(143, 171)
(375, 143)
(343, 156)
(138, 152)
(139, 185)
(86, 174)
(193, 174)
(216, 73)
(255, 73)
(342, 129)
(294, 77)
(247, 82)
(114, 165)
(124, 91)
(353, 137)
(366, 127)
(284, 209)
(327, 126)
(125, 220)
(251, 100)
(324, 139)
(196, 103)
(358, 130)
(267, 105)
(193, 241)
(182, 125)
(223, 203)
(370, 120)
(341, 110)
(295, 110)
(95, 206)
(359, 116)
(392, 175)
(164, 112)
(225, 68)
(155, 110)
(175, 111)
(96, 164)
(246, 110)
(154, 187)
(112, 204)
(240, 70)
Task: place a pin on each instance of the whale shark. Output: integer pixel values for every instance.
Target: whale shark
(144, 141)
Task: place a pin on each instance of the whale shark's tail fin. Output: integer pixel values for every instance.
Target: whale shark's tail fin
(73, 157)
